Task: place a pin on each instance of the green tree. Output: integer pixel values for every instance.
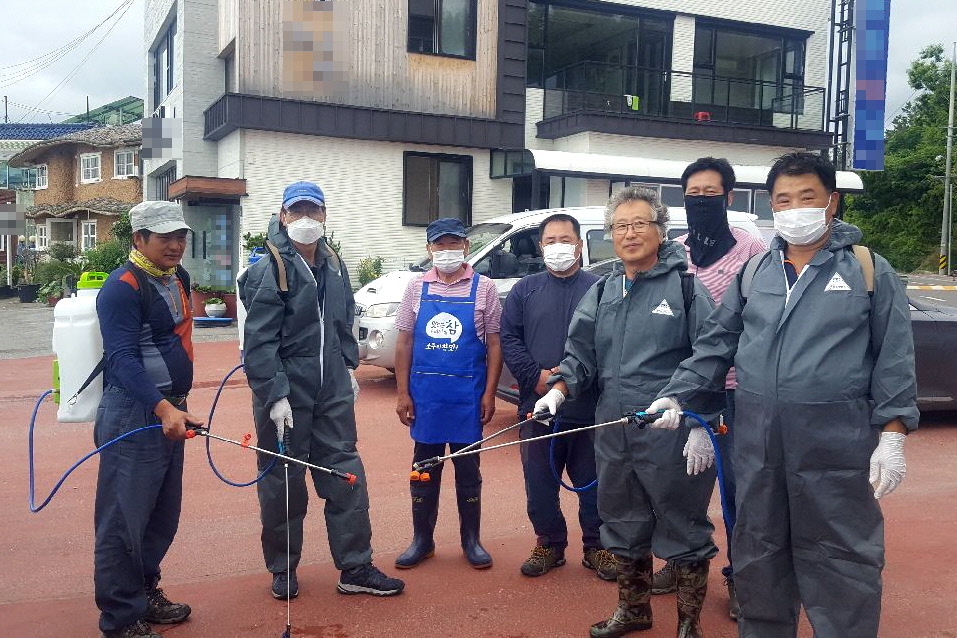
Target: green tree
(900, 209)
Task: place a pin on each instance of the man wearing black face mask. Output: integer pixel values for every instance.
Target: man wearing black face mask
(716, 252)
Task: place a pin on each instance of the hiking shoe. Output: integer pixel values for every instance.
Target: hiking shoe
(664, 580)
(733, 608)
(281, 585)
(160, 611)
(139, 629)
(602, 561)
(543, 558)
(367, 579)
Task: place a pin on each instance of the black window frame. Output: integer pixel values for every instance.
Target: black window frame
(419, 23)
(435, 207)
(164, 68)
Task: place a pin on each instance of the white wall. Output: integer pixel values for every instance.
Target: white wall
(362, 181)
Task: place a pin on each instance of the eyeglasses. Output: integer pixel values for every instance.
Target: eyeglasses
(639, 226)
(312, 213)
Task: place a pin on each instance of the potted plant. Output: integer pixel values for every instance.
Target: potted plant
(198, 296)
(215, 307)
(5, 290)
(50, 293)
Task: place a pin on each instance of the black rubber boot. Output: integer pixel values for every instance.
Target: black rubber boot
(425, 511)
(470, 513)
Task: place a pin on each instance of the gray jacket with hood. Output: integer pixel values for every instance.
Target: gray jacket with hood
(289, 350)
(826, 341)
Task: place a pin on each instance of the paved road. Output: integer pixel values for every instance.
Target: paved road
(936, 289)
(215, 563)
(27, 330)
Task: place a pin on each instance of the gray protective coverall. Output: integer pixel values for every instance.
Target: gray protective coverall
(629, 346)
(292, 351)
(817, 374)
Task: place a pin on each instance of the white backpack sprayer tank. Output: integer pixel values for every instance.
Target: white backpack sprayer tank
(78, 346)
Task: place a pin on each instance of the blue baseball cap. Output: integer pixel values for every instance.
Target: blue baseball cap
(302, 192)
(444, 226)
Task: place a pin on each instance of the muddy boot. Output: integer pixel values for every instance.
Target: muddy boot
(470, 514)
(425, 511)
(663, 581)
(692, 584)
(634, 600)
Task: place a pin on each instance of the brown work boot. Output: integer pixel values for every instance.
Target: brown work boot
(139, 629)
(161, 611)
(602, 561)
(664, 580)
(634, 600)
(692, 585)
(542, 560)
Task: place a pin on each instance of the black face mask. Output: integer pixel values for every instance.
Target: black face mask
(709, 236)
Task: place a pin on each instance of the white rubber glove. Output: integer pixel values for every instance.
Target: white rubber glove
(671, 417)
(355, 385)
(699, 451)
(281, 415)
(887, 463)
(549, 403)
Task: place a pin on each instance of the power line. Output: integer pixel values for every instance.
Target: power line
(126, 7)
(890, 118)
(34, 66)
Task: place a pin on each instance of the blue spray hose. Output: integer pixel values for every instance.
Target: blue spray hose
(33, 419)
(36, 408)
(727, 512)
(556, 474)
(209, 454)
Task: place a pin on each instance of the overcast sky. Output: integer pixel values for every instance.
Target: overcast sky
(116, 66)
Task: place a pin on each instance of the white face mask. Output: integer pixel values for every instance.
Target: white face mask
(448, 261)
(306, 230)
(559, 257)
(801, 226)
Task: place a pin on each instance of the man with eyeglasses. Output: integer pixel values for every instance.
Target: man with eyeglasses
(300, 354)
(626, 338)
(716, 252)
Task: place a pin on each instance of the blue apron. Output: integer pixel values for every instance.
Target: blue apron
(447, 379)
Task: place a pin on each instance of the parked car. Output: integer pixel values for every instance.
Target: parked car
(505, 249)
(935, 341)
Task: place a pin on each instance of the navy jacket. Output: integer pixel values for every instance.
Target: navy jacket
(535, 321)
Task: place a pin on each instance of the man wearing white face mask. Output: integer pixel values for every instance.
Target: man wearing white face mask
(299, 356)
(826, 394)
(535, 322)
(447, 364)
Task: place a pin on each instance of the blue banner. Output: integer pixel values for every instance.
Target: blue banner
(872, 23)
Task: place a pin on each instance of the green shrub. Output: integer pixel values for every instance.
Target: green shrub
(54, 271)
(370, 269)
(61, 252)
(121, 230)
(106, 257)
(213, 301)
(51, 288)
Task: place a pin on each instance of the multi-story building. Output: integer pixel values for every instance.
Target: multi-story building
(83, 181)
(408, 110)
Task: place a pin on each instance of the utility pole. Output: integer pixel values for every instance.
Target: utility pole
(6, 120)
(945, 266)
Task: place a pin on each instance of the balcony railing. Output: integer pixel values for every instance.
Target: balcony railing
(629, 91)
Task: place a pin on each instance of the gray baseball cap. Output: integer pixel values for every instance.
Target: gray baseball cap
(158, 217)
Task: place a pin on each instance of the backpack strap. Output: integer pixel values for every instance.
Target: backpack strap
(280, 266)
(687, 290)
(866, 256)
(746, 275)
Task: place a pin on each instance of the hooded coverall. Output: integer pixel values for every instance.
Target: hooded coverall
(629, 345)
(820, 369)
(299, 345)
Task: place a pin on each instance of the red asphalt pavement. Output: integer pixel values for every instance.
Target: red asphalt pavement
(215, 563)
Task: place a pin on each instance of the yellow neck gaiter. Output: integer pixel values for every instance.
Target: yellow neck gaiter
(140, 260)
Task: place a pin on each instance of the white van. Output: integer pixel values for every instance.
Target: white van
(504, 249)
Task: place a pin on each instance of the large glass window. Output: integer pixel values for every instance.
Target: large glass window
(436, 186)
(163, 69)
(442, 27)
(598, 57)
(124, 164)
(89, 168)
(746, 76)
